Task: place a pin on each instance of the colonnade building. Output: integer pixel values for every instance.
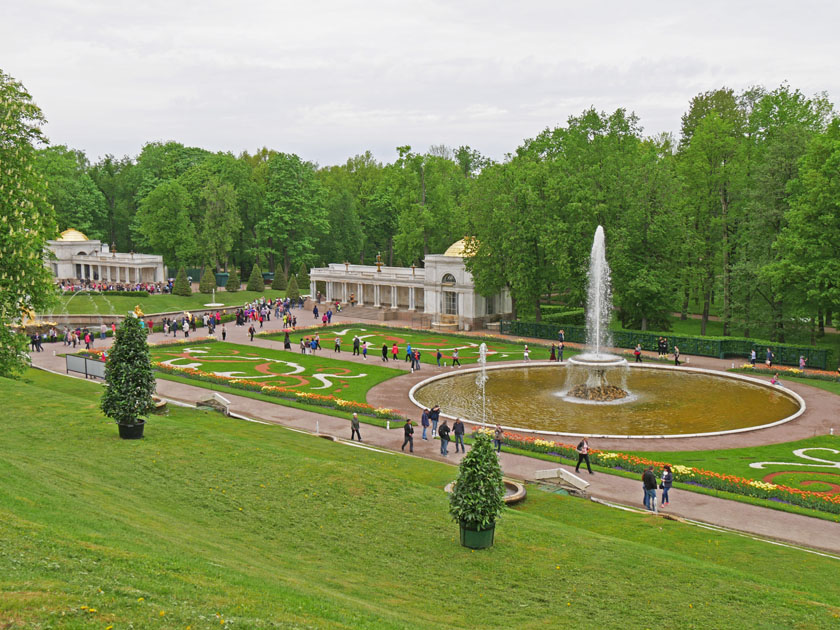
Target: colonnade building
(442, 289)
(73, 256)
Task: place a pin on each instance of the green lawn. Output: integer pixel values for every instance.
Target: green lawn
(320, 373)
(87, 304)
(427, 342)
(210, 522)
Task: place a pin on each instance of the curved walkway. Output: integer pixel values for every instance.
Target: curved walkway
(796, 529)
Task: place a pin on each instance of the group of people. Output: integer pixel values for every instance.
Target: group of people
(73, 286)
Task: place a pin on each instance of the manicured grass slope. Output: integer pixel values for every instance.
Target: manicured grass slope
(86, 304)
(210, 519)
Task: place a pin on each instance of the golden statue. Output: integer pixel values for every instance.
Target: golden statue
(138, 312)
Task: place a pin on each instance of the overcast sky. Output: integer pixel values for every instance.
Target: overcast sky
(328, 80)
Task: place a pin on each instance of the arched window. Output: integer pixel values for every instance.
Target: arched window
(448, 279)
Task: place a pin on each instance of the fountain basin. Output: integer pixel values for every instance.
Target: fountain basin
(666, 402)
(514, 491)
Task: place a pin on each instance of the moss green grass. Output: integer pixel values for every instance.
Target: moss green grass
(87, 304)
(210, 522)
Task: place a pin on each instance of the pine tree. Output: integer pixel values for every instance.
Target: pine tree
(234, 283)
(255, 282)
(280, 282)
(303, 276)
(182, 285)
(293, 292)
(128, 375)
(208, 281)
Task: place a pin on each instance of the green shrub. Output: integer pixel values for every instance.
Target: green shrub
(280, 281)
(255, 281)
(303, 277)
(234, 283)
(208, 281)
(574, 317)
(293, 292)
(182, 284)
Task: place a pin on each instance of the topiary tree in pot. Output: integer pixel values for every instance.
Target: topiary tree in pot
(478, 496)
(129, 379)
(255, 282)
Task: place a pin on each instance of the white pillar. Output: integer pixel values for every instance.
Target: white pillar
(312, 289)
(394, 300)
(344, 285)
(376, 296)
(411, 298)
(360, 295)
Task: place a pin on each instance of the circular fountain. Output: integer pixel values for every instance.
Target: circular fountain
(213, 301)
(642, 400)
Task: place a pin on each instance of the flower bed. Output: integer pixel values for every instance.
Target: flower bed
(820, 375)
(308, 398)
(694, 476)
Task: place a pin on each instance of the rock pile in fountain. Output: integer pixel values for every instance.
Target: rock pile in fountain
(598, 393)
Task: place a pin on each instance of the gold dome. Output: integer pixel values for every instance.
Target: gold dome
(456, 249)
(72, 235)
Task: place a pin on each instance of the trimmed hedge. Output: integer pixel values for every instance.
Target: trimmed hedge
(574, 317)
(720, 347)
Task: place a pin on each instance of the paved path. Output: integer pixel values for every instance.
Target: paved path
(793, 528)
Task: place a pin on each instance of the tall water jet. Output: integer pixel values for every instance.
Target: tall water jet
(481, 380)
(589, 374)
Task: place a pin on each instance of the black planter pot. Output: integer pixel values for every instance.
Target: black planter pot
(131, 431)
(476, 538)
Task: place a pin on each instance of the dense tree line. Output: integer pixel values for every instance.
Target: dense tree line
(741, 210)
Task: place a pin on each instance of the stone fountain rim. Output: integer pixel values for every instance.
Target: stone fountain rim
(740, 377)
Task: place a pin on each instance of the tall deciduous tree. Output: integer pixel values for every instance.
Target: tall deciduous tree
(26, 221)
(163, 224)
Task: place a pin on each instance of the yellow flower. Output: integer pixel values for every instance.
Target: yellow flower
(140, 599)
(162, 613)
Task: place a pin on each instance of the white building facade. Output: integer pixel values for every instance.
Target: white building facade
(443, 289)
(73, 256)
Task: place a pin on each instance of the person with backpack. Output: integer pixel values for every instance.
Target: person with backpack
(583, 455)
(444, 438)
(665, 485)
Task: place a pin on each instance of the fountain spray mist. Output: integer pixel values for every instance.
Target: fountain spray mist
(599, 297)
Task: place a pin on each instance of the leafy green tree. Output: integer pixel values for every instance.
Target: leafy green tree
(279, 283)
(255, 281)
(208, 281)
(117, 180)
(27, 221)
(303, 276)
(163, 224)
(181, 286)
(234, 283)
(78, 202)
(294, 218)
(220, 221)
(293, 292)
(129, 378)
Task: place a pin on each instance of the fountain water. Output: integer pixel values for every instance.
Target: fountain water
(589, 374)
(213, 301)
(481, 380)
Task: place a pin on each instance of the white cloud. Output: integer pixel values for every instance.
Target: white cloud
(330, 79)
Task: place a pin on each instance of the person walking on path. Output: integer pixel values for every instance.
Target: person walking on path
(251, 331)
(424, 422)
(408, 353)
(444, 438)
(356, 344)
(676, 355)
(458, 430)
(553, 355)
(224, 332)
(667, 480)
(752, 357)
(497, 438)
(395, 352)
(409, 436)
(337, 345)
(416, 361)
(434, 416)
(649, 486)
(769, 356)
(318, 342)
(354, 428)
(364, 350)
(560, 349)
(583, 455)
(385, 352)
(186, 329)
(526, 355)
(455, 358)
(802, 360)
(638, 353)
(439, 356)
